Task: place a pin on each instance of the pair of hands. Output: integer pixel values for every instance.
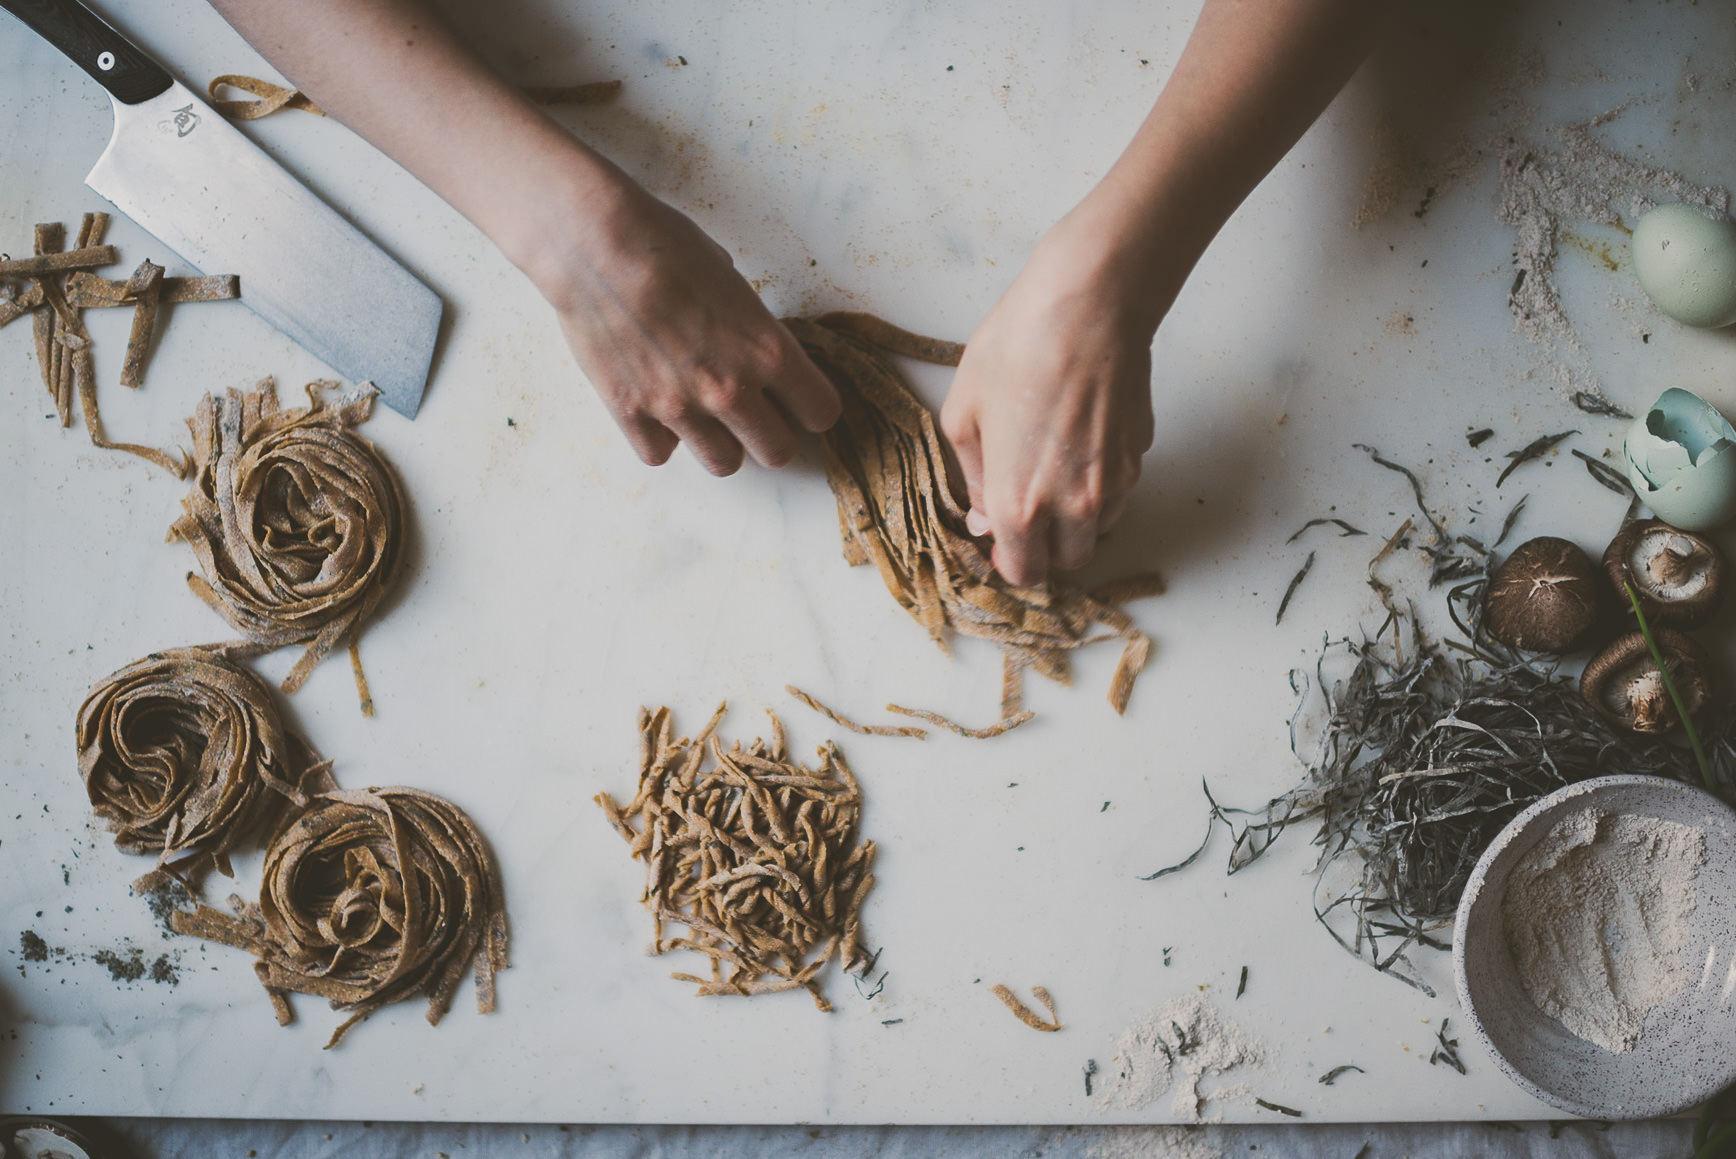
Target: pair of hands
(1049, 414)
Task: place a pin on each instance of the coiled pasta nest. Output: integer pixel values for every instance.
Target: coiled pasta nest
(370, 897)
(182, 753)
(297, 522)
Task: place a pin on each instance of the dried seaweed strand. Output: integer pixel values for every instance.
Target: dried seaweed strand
(1295, 582)
(1338, 1072)
(863, 729)
(1592, 404)
(1282, 1110)
(1446, 1049)
(899, 508)
(1605, 474)
(1024, 1013)
(1346, 530)
(1535, 449)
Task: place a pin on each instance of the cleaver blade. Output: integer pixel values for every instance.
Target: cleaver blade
(202, 188)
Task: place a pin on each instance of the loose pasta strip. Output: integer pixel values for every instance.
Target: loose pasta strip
(1024, 1013)
(863, 729)
(270, 98)
(1005, 724)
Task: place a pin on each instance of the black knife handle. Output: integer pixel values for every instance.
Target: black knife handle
(111, 60)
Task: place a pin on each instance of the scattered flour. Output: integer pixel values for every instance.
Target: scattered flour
(1181, 1044)
(1596, 917)
(1545, 190)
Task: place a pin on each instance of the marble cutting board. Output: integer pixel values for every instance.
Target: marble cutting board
(900, 159)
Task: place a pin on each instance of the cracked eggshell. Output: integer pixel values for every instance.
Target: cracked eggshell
(1685, 260)
(1681, 460)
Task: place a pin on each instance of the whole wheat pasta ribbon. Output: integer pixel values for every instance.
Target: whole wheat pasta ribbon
(183, 755)
(270, 98)
(899, 508)
(756, 854)
(297, 522)
(371, 897)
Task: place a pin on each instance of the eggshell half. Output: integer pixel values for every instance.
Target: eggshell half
(1681, 460)
(1685, 259)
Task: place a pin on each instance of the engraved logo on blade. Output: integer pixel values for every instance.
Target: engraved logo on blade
(184, 122)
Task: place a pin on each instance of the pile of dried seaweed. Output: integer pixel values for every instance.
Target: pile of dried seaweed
(56, 284)
(370, 897)
(757, 856)
(1428, 748)
(297, 521)
(898, 507)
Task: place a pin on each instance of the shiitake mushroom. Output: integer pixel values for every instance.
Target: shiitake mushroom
(1543, 597)
(1623, 682)
(1678, 577)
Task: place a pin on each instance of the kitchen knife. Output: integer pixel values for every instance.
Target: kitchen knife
(207, 192)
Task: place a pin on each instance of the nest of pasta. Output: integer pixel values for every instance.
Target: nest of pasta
(183, 755)
(899, 508)
(370, 897)
(297, 522)
(756, 855)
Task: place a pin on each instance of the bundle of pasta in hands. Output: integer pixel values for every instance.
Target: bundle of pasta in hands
(370, 897)
(297, 521)
(899, 507)
(756, 856)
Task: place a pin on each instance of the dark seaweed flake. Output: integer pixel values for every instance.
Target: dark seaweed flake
(1295, 582)
(1535, 449)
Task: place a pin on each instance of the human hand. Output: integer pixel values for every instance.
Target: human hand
(676, 342)
(1051, 409)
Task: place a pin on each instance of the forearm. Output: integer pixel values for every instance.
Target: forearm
(677, 344)
(393, 71)
(1253, 76)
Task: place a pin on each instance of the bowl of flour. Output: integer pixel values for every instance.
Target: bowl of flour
(1595, 948)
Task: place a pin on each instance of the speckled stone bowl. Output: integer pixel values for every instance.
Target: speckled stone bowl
(1685, 1054)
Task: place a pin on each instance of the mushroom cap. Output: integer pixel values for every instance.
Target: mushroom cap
(1543, 597)
(1678, 576)
(1622, 681)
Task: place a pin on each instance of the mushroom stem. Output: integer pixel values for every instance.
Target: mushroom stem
(1670, 686)
(1675, 567)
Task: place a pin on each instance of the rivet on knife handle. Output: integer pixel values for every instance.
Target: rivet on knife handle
(111, 60)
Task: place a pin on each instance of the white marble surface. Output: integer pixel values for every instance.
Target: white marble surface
(893, 157)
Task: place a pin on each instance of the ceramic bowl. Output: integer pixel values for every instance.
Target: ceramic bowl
(1683, 1055)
